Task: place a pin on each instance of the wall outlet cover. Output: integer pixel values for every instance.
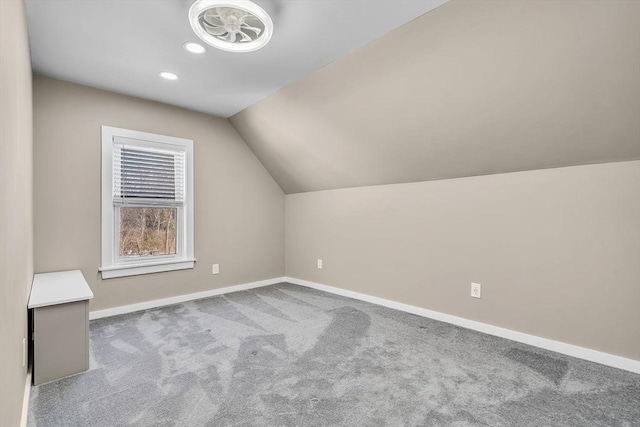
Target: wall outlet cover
(215, 269)
(320, 264)
(476, 290)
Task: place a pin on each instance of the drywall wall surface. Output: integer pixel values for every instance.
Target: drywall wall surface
(557, 251)
(470, 88)
(238, 208)
(16, 207)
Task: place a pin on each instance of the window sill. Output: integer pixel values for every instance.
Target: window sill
(146, 268)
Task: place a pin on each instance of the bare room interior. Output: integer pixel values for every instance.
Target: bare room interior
(319, 213)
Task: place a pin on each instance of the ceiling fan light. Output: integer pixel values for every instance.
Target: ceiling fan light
(231, 25)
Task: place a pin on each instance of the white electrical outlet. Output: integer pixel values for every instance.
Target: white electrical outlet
(215, 269)
(476, 290)
(320, 264)
(24, 352)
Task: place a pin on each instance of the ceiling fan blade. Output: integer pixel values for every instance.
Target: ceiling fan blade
(242, 18)
(212, 18)
(251, 18)
(214, 31)
(254, 29)
(245, 38)
(230, 37)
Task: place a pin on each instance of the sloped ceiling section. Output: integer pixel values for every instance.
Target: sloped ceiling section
(471, 88)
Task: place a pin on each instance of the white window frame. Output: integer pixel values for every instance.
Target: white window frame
(112, 265)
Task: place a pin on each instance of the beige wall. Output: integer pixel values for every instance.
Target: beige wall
(239, 209)
(557, 251)
(16, 207)
(470, 88)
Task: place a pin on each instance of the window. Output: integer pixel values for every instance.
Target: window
(147, 203)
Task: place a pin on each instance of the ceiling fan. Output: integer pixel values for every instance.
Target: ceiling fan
(234, 26)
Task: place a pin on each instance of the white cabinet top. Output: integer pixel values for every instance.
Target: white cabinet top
(58, 288)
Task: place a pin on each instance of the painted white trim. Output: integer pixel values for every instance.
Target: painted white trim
(155, 267)
(547, 344)
(25, 400)
(99, 314)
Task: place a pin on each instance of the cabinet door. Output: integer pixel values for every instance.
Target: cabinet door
(60, 341)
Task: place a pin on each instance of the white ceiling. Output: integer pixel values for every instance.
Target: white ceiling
(121, 46)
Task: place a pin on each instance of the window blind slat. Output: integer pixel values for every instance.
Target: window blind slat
(159, 164)
(149, 177)
(148, 166)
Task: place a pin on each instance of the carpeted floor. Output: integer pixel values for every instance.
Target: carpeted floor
(286, 355)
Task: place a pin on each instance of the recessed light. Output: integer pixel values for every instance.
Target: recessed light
(169, 76)
(194, 48)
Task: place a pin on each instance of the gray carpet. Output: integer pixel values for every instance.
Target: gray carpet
(286, 355)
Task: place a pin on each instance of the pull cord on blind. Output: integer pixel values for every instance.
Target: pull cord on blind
(148, 176)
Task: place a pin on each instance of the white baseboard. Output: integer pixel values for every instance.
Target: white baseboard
(557, 346)
(99, 314)
(25, 400)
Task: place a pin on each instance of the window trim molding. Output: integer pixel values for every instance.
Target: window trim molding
(110, 267)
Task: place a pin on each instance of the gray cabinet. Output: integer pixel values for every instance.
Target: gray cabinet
(59, 304)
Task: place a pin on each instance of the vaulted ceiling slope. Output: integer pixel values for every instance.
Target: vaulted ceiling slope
(470, 88)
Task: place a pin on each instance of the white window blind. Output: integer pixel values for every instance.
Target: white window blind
(148, 176)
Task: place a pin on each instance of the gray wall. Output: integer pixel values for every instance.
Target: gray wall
(16, 208)
(239, 209)
(556, 250)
